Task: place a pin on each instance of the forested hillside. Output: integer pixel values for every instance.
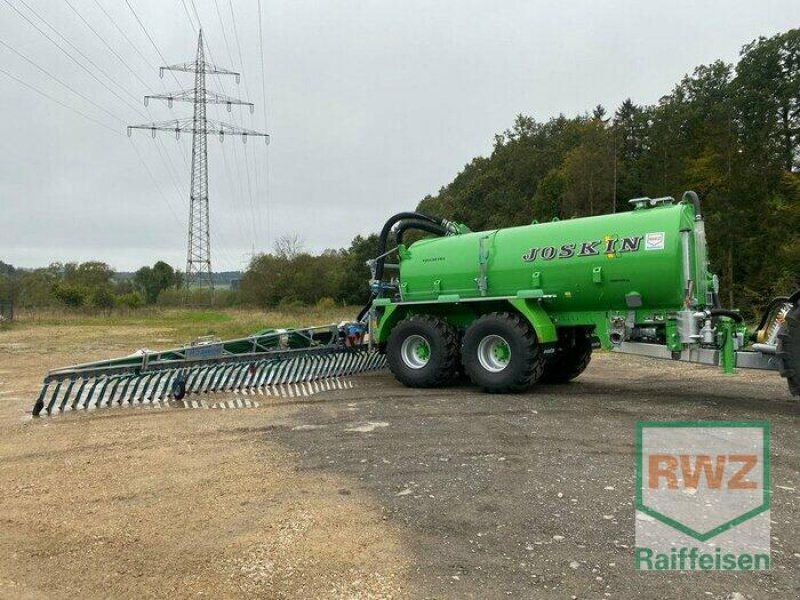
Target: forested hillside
(729, 132)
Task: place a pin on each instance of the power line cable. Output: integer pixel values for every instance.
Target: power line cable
(79, 51)
(189, 17)
(149, 37)
(125, 36)
(70, 56)
(62, 83)
(247, 92)
(224, 34)
(49, 97)
(105, 43)
(238, 45)
(229, 180)
(196, 14)
(155, 183)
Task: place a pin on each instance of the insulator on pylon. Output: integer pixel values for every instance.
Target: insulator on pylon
(238, 78)
(129, 132)
(177, 134)
(221, 135)
(153, 132)
(252, 109)
(244, 138)
(161, 72)
(229, 106)
(169, 102)
(147, 100)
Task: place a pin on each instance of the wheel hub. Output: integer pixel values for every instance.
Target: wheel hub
(415, 351)
(494, 353)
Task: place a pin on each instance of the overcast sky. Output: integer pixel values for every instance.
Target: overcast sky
(371, 106)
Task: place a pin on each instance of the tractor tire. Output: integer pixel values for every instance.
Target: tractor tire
(500, 353)
(422, 352)
(789, 350)
(573, 354)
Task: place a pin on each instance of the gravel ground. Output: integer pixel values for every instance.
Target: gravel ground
(532, 496)
(372, 492)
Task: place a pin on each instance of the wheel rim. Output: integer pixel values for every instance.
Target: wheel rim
(494, 353)
(415, 351)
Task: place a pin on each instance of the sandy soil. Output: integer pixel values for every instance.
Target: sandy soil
(177, 503)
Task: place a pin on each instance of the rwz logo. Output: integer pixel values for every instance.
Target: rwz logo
(702, 477)
(671, 471)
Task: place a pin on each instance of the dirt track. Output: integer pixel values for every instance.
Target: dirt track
(372, 492)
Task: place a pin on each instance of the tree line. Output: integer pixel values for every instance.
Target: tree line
(90, 284)
(731, 132)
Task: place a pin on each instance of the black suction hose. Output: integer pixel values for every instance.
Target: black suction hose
(419, 225)
(383, 238)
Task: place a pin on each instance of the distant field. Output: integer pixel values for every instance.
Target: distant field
(185, 323)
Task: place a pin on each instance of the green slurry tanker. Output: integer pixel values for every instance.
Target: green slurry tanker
(509, 308)
(525, 305)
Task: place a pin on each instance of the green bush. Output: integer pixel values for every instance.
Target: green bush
(102, 298)
(131, 300)
(71, 295)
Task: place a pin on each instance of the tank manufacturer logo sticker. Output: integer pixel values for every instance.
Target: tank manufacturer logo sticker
(654, 241)
(609, 246)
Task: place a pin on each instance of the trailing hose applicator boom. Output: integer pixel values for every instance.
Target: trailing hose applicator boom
(267, 358)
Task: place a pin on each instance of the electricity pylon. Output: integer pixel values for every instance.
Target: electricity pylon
(198, 256)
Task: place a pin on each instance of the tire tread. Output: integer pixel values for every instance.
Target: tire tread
(448, 370)
(533, 367)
